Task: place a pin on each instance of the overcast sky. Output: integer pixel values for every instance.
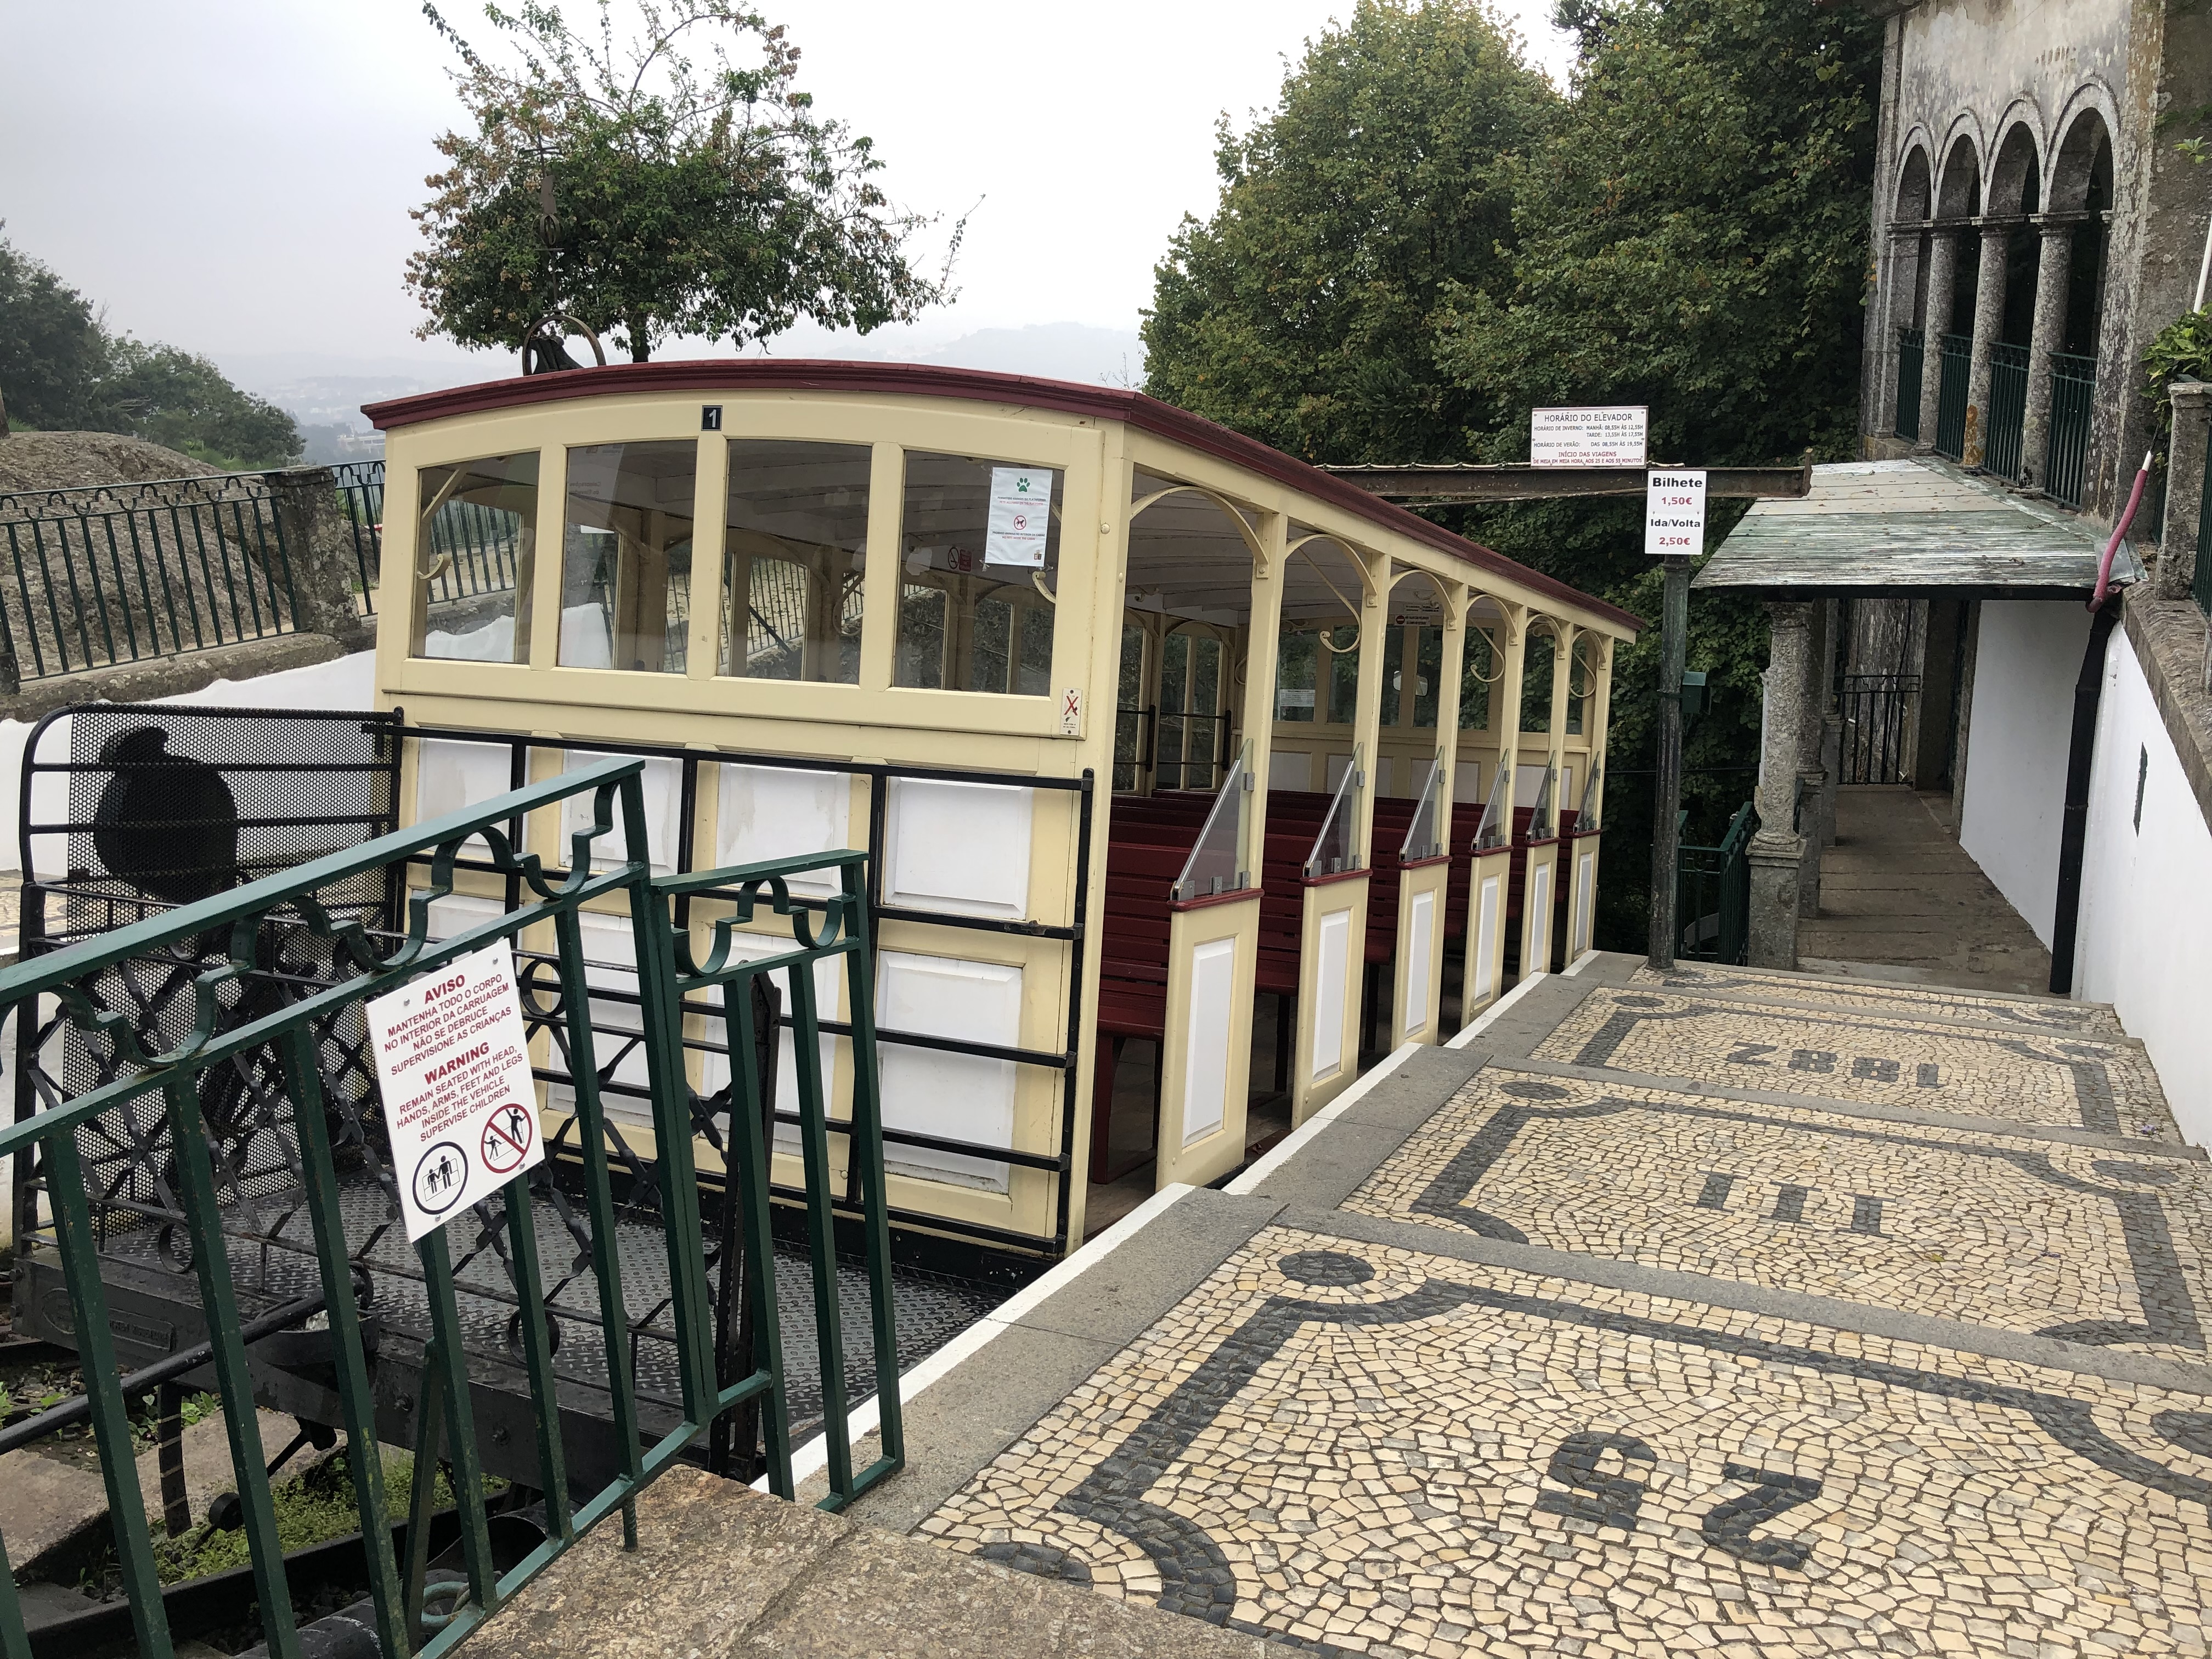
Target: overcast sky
(234, 177)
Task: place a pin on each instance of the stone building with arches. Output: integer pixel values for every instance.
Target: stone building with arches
(1957, 633)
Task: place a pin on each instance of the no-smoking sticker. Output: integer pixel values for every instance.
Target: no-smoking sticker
(453, 1059)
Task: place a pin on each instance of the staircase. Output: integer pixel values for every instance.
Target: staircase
(1721, 1311)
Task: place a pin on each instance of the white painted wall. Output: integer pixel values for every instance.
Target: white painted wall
(2026, 663)
(340, 683)
(2145, 929)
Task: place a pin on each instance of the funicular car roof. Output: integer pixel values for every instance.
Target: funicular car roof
(1100, 403)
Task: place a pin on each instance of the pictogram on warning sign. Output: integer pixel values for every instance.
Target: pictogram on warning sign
(452, 1062)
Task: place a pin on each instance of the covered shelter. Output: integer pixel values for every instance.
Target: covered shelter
(1890, 588)
(1143, 723)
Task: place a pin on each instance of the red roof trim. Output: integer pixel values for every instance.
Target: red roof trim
(926, 380)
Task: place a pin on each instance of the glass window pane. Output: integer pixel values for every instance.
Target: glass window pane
(1536, 685)
(1294, 677)
(1129, 707)
(798, 515)
(626, 556)
(1473, 686)
(475, 549)
(1393, 674)
(1429, 658)
(1344, 676)
(975, 537)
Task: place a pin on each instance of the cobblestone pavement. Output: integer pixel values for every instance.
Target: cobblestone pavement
(2094, 1084)
(2082, 1244)
(1936, 1002)
(1370, 1449)
(1547, 1383)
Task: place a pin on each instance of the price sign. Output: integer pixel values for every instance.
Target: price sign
(452, 1062)
(1673, 513)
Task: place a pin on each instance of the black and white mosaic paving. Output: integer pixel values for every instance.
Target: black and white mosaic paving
(1914, 1001)
(2080, 1243)
(2054, 1078)
(1359, 1448)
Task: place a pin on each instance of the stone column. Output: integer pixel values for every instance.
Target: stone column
(1812, 774)
(2185, 486)
(318, 549)
(2053, 270)
(1989, 323)
(1778, 850)
(1943, 287)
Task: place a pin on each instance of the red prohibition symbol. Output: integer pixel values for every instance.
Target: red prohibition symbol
(507, 1137)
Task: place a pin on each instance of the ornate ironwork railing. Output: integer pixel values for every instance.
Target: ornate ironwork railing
(1875, 707)
(1957, 357)
(1713, 894)
(123, 573)
(199, 1098)
(2001, 452)
(2073, 389)
(1911, 352)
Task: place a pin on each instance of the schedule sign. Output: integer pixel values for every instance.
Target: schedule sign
(1673, 513)
(453, 1059)
(1586, 437)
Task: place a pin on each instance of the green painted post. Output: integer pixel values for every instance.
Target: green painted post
(1667, 789)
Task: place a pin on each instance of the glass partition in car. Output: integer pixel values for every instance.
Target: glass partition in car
(1490, 831)
(1333, 850)
(1540, 820)
(476, 546)
(1586, 818)
(796, 554)
(978, 551)
(626, 556)
(1221, 861)
(1422, 839)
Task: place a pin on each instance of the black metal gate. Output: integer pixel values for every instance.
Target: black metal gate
(1876, 710)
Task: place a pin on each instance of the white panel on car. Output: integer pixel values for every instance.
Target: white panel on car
(1205, 1066)
(662, 785)
(959, 1096)
(962, 848)
(776, 812)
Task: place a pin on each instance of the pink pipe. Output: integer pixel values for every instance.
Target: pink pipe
(2104, 565)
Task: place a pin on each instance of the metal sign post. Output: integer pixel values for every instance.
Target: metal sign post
(1673, 530)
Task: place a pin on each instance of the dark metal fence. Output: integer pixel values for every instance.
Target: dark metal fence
(2073, 390)
(1876, 708)
(123, 573)
(1713, 894)
(193, 1092)
(1911, 352)
(1957, 355)
(2001, 452)
(361, 495)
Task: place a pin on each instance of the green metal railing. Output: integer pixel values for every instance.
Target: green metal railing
(1911, 353)
(123, 573)
(1713, 895)
(360, 496)
(2073, 389)
(247, 1020)
(1957, 357)
(2001, 453)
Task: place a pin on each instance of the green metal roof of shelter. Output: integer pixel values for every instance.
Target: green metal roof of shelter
(1923, 525)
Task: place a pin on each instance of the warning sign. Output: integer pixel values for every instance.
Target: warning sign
(1021, 513)
(454, 1061)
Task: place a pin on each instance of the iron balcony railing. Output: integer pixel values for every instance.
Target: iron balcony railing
(1911, 350)
(209, 1098)
(1713, 894)
(1956, 357)
(123, 573)
(2073, 389)
(360, 496)
(2000, 447)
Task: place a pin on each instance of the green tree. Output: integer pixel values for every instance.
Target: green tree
(184, 401)
(1691, 235)
(1303, 310)
(53, 349)
(635, 190)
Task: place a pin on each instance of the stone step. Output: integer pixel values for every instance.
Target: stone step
(1996, 1072)
(2098, 1242)
(1918, 1002)
(1360, 1434)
